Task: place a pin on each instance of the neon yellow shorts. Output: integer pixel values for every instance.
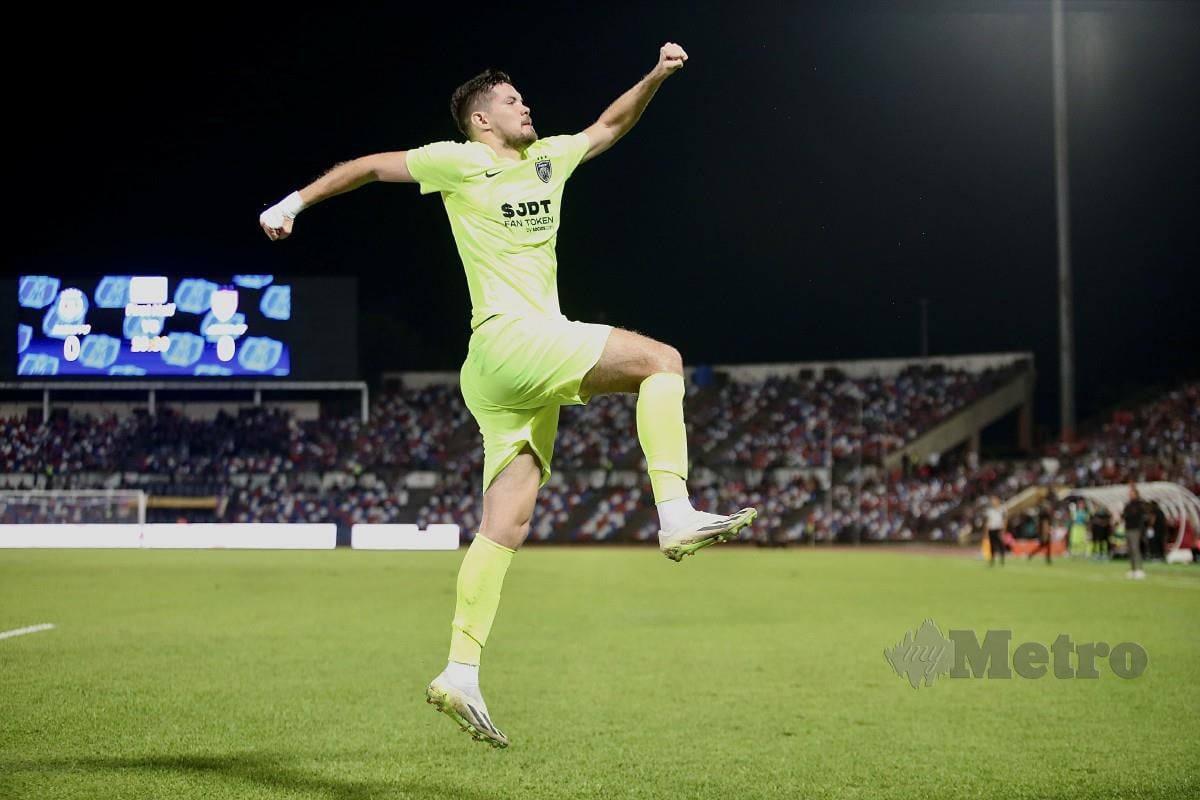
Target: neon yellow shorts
(518, 372)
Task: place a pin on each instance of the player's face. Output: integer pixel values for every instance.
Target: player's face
(510, 117)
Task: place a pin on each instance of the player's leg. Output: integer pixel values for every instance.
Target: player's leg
(628, 359)
(514, 368)
(635, 363)
(631, 362)
(507, 509)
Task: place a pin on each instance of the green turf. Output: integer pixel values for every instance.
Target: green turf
(738, 673)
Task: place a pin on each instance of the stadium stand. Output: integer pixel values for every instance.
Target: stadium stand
(814, 446)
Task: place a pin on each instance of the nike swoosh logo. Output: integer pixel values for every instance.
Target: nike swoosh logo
(492, 174)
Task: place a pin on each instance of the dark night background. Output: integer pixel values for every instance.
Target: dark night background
(790, 195)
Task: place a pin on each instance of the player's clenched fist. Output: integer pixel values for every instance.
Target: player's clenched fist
(276, 227)
(277, 221)
(671, 57)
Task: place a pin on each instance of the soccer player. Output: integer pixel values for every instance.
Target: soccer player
(502, 189)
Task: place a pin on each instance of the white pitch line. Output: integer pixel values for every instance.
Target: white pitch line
(22, 631)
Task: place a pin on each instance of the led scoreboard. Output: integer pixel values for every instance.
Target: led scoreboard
(154, 325)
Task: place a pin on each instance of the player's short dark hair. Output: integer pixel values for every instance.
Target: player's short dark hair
(470, 97)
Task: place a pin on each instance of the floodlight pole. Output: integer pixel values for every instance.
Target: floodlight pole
(1066, 342)
(924, 329)
(828, 473)
(862, 440)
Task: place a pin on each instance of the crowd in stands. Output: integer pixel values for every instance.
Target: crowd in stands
(738, 431)
(776, 422)
(1158, 441)
(795, 422)
(601, 434)
(555, 508)
(266, 504)
(257, 441)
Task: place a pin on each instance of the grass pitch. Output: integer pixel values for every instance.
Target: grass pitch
(739, 673)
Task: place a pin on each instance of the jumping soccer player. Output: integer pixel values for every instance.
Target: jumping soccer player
(502, 189)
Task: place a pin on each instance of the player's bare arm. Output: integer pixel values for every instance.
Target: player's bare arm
(392, 167)
(626, 110)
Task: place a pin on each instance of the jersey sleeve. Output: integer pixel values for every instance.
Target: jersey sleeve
(439, 167)
(571, 148)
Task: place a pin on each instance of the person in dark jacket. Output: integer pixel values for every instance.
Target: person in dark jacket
(1045, 528)
(1135, 514)
(1102, 525)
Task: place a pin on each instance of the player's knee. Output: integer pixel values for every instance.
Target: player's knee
(510, 534)
(666, 359)
(518, 533)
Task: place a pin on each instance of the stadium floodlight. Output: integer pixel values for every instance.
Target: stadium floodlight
(1062, 195)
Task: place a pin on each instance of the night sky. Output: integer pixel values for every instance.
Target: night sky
(790, 195)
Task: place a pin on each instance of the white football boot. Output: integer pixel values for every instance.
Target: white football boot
(703, 530)
(466, 708)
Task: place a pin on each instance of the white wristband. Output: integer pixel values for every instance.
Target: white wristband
(291, 205)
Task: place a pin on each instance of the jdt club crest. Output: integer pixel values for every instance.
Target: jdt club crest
(543, 169)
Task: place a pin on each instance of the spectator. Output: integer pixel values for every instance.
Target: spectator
(1102, 524)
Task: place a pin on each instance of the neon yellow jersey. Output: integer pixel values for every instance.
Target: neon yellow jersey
(505, 215)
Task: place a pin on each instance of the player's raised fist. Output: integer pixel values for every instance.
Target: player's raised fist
(276, 226)
(671, 57)
(277, 221)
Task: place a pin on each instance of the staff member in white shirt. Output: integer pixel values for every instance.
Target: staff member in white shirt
(994, 518)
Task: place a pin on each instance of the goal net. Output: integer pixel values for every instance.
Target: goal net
(72, 507)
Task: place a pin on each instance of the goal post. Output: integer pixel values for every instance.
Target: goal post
(72, 506)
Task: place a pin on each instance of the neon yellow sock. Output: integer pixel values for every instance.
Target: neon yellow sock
(480, 579)
(662, 434)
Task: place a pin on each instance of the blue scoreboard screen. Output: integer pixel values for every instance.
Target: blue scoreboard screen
(155, 325)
